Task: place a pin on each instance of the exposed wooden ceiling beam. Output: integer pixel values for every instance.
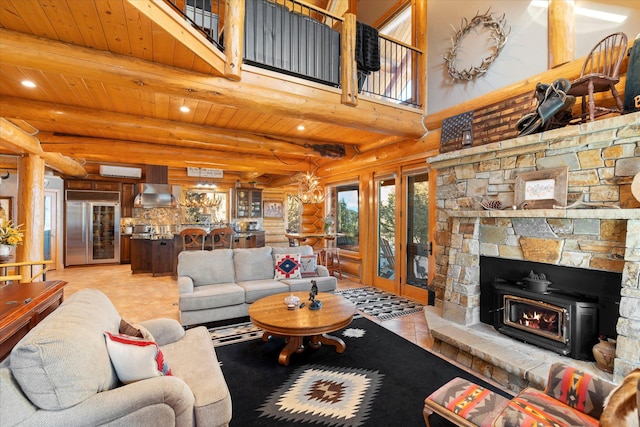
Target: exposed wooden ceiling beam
(170, 155)
(256, 92)
(167, 19)
(17, 140)
(96, 123)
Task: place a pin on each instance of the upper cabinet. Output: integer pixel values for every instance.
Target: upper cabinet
(246, 203)
(126, 198)
(76, 184)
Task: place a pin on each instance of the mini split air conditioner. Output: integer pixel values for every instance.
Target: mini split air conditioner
(120, 171)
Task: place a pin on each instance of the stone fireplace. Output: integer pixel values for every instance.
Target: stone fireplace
(601, 235)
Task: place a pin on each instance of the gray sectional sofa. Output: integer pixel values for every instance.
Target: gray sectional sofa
(221, 284)
(61, 374)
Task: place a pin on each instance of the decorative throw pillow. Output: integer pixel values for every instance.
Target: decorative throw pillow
(309, 266)
(137, 331)
(127, 328)
(287, 266)
(135, 359)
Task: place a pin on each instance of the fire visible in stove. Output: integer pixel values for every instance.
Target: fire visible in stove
(535, 317)
(543, 320)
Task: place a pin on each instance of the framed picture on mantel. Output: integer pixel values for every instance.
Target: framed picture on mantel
(542, 189)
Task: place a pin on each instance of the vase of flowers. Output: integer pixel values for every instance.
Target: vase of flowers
(10, 236)
(329, 221)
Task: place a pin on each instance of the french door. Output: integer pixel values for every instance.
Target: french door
(417, 244)
(403, 234)
(386, 275)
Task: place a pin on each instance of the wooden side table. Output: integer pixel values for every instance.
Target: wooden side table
(23, 306)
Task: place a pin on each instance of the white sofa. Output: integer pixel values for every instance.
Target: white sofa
(221, 284)
(61, 374)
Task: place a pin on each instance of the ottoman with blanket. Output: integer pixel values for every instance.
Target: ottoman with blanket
(571, 398)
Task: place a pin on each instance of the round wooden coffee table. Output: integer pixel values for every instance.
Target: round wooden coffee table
(272, 315)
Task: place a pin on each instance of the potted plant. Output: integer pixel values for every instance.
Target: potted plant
(10, 236)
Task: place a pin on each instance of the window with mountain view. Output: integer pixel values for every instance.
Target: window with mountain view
(347, 214)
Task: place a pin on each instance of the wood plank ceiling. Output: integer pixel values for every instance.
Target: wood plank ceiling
(111, 81)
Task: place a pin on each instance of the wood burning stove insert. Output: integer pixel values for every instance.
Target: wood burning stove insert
(560, 321)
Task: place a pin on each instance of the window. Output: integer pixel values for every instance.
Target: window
(347, 216)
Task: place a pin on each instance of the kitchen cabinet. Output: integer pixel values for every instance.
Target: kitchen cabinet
(249, 239)
(140, 256)
(125, 250)
(126, 197)
(246, 203)
(260, 239)
(77, 184)
(162, 257)
(152, 256)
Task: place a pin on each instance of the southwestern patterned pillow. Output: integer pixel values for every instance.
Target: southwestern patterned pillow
(309, 265)
(578, 389)
(533, 407)
(469, 401)
(287, 266)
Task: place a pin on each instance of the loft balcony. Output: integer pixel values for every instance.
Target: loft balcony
(302, 40)
(112, 77)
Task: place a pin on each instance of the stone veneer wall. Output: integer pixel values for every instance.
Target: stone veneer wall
(602, 158)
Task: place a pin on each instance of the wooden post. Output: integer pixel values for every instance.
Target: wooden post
(348, 69)
(30, 203)
(561, 32)
(419, 28)
(233, 39)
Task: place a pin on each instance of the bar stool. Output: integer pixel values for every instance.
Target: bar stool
(193, 239)
(330, 258)
(222, 238)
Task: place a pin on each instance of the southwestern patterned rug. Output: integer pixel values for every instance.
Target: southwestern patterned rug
(381, 379)
(380, 304)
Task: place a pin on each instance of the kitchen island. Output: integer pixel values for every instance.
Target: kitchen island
(153, 255)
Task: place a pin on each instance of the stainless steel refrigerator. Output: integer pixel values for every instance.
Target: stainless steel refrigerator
(92, 233)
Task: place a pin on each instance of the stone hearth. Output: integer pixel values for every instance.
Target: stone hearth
(602, 158)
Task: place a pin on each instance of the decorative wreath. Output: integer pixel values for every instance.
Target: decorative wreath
(498, 34)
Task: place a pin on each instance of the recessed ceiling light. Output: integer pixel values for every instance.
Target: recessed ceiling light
(28, 83)
(300, 127)
(185, 109)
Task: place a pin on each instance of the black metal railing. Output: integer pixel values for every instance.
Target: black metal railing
(396, 80)
(300, 40)
(294, 38)
(205, 15)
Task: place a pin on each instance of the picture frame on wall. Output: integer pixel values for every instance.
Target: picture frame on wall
(272, 209)
(542, 189)
(6, 209)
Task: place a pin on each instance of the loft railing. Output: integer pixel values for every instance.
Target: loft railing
(295, 38)
(204, 15)
(24, 272)
(395, 80)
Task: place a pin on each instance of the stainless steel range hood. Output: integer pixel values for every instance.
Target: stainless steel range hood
(154, 196)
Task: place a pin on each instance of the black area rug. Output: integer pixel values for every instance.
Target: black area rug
(380, 380)
(380, 304)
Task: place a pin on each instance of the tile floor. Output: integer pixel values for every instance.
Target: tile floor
(140, 297)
